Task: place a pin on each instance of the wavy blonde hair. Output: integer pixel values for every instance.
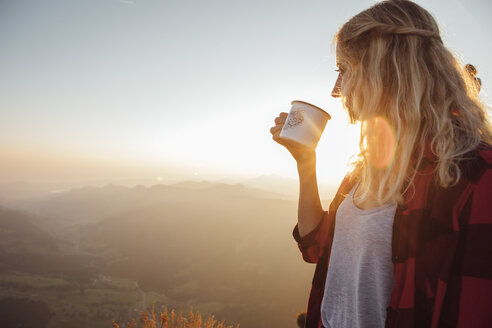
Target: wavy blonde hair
(399, 77)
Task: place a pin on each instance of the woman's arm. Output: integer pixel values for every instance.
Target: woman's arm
(309, 211)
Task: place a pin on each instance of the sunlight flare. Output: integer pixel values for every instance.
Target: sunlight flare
(382, 143)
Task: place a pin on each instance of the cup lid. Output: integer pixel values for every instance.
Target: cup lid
(304, 102)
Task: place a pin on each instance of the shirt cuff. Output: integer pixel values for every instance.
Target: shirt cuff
(310, 238)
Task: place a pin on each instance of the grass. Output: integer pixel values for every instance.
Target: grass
(171, 319)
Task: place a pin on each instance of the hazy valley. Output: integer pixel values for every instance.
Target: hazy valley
(97, 253)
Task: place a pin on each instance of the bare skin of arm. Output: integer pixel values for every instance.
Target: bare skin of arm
(309, 211)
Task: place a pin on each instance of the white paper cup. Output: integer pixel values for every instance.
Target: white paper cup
(304, 124)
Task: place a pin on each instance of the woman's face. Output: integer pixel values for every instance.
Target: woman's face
(344, 70)
(337, 88)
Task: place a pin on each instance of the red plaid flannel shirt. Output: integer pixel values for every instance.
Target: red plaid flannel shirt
(441, 248)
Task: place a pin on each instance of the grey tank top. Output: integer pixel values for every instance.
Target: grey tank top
(360, 273)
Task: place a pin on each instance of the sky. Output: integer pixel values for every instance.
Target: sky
(169, 90)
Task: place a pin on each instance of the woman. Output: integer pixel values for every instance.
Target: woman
(406, 241)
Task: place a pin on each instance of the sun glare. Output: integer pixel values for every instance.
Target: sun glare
(382, 148)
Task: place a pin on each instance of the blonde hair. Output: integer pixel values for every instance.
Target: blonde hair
(402, 83)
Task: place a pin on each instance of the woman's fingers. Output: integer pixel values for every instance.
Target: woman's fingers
(276, 129)
(281, 118)
(279, 124)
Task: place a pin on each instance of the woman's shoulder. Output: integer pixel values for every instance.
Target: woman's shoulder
(475, 164)
(480, 211)
(485, 151)
(470, 198)
(478, 172)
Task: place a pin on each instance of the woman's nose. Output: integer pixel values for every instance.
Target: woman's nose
(337, 88)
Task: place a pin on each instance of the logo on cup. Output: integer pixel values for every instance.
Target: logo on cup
(296, 118)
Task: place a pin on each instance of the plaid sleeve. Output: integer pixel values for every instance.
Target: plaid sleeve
(310, 245)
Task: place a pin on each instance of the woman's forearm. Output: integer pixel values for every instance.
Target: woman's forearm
(310, 211)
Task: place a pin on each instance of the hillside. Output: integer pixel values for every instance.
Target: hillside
(27, 248)
(225, 249)
(90, 204)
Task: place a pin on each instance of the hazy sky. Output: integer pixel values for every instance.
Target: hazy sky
(189, 88)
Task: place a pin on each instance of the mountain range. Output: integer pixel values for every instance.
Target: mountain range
(195, 242)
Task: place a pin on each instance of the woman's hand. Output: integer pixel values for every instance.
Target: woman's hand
(300, 152)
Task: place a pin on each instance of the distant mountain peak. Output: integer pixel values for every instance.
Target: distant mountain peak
(192, 184)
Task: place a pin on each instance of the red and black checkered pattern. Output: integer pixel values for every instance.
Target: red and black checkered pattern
(441, 248)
